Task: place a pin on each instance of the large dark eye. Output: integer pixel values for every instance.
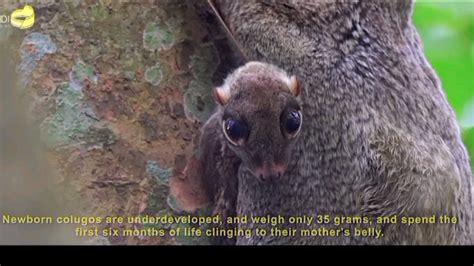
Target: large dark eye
(235, 130)
(291, 123)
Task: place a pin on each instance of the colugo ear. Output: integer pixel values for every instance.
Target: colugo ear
(294, 86)
(221, 95)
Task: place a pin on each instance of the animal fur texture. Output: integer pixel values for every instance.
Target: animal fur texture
(260, 96)
(379, 137)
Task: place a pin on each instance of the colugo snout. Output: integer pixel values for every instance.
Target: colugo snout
(260, 117)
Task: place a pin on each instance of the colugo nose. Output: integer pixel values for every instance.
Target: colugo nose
(269, 171)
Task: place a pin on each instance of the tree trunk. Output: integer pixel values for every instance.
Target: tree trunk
(118, 91)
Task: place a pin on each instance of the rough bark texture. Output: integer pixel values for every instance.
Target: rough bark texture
(119, 91)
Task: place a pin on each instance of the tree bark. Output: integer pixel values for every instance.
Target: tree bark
(118, 91)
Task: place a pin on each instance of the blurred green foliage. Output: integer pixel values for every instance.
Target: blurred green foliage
(447, 31)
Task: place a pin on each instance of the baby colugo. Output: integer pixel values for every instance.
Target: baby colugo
(257, 120)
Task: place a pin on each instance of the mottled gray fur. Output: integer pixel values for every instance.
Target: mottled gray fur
(379, 136)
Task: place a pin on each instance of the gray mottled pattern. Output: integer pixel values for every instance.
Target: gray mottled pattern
(379, 136)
